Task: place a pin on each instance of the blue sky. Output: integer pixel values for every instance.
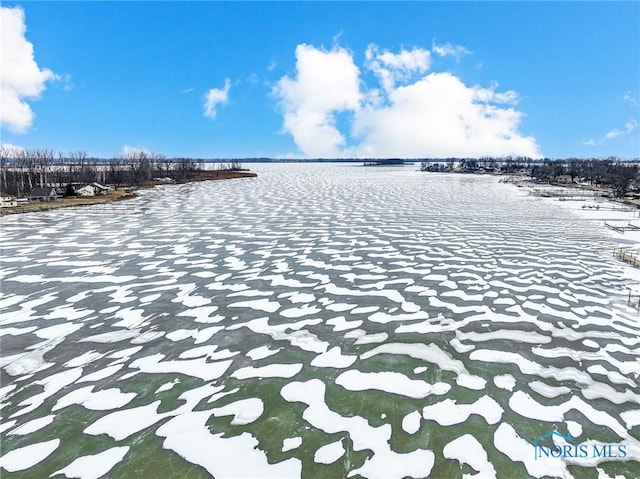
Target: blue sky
(323, 79)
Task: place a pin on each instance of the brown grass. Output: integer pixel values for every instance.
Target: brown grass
(119, 195)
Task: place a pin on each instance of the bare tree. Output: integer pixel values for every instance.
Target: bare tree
(42, 163)
(26, 167)
(164, 164)
(186, 167)
(6, 154)
(621, 177)
(116, 171)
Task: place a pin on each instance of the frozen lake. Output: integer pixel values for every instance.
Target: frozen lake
(318, 321)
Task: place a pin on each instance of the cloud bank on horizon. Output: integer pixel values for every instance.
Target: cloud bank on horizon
(331, 111)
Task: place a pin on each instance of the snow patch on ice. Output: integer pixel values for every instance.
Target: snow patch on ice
(290, 443)
(411, 422)
(467, 449)
(449, 412)
(28, 456)
(94, 466)
(244, 411)
(269, 371)
(329, 453)
(391, 382)
(333, 359)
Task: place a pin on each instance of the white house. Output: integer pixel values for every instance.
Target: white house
(7, 202)
(87, 190)
(99, 189)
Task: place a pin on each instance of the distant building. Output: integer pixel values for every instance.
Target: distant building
(564, 179)
(43, 194)
(99, 189)
(91, 189)
(86, 190)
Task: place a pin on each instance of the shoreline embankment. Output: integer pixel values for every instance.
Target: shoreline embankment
(122, 194)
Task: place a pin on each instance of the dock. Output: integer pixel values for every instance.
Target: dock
(627, 258)
(622, 229)
(624, 209)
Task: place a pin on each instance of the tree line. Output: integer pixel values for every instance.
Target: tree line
(24, 169)
(610, 172)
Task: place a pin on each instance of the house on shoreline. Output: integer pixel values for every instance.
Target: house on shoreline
(8, 202)
(92, 189)
(43, 194)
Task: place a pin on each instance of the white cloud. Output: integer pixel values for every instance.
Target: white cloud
(628, 128)
(449, 50)
(20, 76)
(215, 97)
(394, 67)
(413, 115)
(628, 97)
(490, 95)
(440, 116)
(67, 80)
(326, 82)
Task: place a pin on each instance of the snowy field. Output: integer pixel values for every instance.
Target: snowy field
(318, 321)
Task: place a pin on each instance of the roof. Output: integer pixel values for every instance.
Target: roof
(42, 191)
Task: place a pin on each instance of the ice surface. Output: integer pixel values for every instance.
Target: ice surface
(507, 441)
(391, 382)
(523, 404)
(329, 453)
(449, 412)
(244, 411)
(52, 385)
(467, 450)
(101, 374)
(102, 400)
(290, 443)
(547, 390)
(411, 422)
(348, 274)
(198, 368)
(631, 417)
(189, 436)
(33, 425)
(270, 371)
(384, 463)
(94, 466)
(28, 456)
(333, 359)
(505, 381)
(433, 354)
(125, 422)
(262, 352)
